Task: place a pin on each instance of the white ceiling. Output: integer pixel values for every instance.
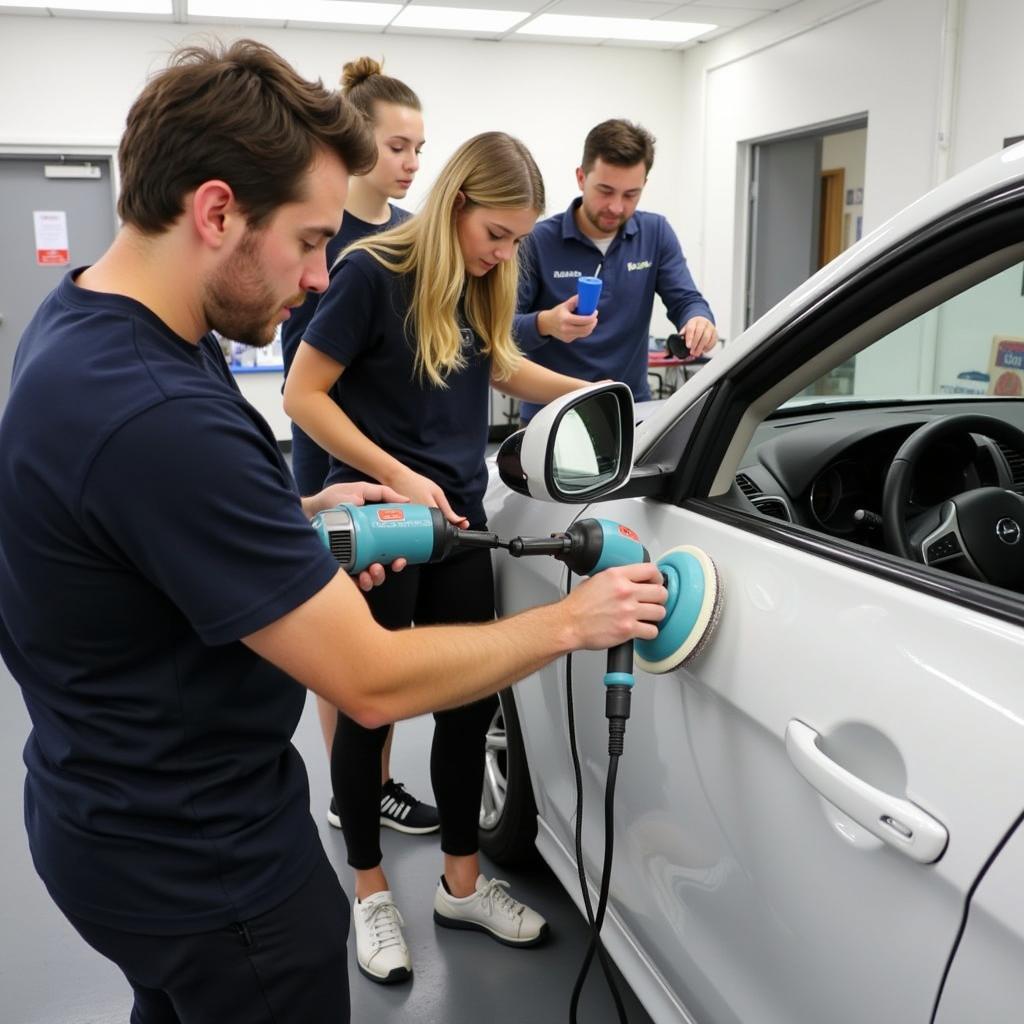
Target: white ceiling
(726, 15)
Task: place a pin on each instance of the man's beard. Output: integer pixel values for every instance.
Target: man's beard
(239, 303)
(596, 222)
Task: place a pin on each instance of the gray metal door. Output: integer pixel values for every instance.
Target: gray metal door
(784, 215)
(88, 204)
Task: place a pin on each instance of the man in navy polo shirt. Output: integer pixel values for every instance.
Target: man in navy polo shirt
(163, 600)
(638, 255)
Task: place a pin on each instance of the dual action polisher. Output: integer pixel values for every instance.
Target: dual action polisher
(590, 546)
(359, 535)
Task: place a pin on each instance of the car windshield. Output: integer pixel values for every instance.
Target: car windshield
(970, 346)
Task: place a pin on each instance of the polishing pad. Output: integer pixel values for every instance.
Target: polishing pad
(691, 610)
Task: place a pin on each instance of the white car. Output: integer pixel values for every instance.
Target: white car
(817, 818)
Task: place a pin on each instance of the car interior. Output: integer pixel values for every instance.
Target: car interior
(882, 436)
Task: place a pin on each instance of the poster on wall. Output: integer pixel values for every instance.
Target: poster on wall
(51, 229)
(1006, 367)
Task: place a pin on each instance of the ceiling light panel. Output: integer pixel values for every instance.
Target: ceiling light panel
(464, 19)
(764, 6)
(96, 6)
(645, 10)
(334, 12)
(632, 29)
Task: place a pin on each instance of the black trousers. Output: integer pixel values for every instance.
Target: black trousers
(287, 966)
(459, 589)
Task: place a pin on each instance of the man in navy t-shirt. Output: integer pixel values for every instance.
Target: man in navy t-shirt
(162, 596)
(638, 256)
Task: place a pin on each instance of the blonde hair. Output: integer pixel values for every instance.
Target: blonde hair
(494, 171)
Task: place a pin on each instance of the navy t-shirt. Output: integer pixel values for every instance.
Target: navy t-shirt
(148, 522)
(352, 229)
(438, 432)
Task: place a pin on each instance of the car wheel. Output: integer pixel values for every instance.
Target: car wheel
(508, 814)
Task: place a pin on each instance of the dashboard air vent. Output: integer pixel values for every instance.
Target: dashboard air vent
(774, 507)
(747, 486)
(1016, 461)
(766, 504)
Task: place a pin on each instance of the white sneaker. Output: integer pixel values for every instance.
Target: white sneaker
(380, 946)
(490, 909)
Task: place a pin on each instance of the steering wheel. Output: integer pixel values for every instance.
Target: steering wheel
(979, 532)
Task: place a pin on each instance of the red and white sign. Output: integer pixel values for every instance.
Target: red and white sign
(1006, 367)
(51, 238)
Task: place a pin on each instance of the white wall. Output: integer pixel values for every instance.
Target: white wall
(777, 77)
(818, 62)
(882, 58)
(990, 103)
(72, 81)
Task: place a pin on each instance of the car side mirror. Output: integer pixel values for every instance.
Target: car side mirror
(577, 448)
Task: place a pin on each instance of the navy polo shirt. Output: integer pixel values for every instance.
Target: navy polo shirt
(644, 259)
(352, 229)
(438, 432)
(148, 523)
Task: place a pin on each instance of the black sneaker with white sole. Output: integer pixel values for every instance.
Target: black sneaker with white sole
(404, 813)
(398, 810)
(333, 818)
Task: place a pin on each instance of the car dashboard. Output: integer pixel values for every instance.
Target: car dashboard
(825, 467)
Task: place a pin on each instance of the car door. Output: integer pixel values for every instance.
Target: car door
(756, 897)
(839, 679)
(985, 982)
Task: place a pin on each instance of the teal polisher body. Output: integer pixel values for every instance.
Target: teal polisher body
(359, 535)
(590, 546)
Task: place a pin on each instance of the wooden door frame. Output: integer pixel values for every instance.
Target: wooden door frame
(830, 233)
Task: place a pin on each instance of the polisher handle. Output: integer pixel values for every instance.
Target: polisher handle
(620, 665)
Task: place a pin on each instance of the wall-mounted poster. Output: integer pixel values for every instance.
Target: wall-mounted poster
(1006, 367)
(51, 227)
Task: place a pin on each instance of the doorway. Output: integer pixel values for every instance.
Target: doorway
(805, 207)
(77, 194)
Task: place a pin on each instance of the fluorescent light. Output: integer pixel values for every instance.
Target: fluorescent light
(96, 6)
(466, 19)
(339, 12)
(634, 29)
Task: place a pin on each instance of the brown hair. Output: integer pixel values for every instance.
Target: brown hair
(620, 143)
(240, 114)
(363, 83)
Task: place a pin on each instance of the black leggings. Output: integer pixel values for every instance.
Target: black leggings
(459, 589)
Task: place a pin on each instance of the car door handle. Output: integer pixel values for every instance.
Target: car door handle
(898, 822)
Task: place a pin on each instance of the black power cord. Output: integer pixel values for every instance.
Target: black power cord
(594, 920)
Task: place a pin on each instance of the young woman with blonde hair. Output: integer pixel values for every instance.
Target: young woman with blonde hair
(392, 378)
(394, 111)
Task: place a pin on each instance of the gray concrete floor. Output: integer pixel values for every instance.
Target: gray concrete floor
(49, 976)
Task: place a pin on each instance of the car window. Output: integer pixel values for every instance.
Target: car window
(826, 459)
(972, 344)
